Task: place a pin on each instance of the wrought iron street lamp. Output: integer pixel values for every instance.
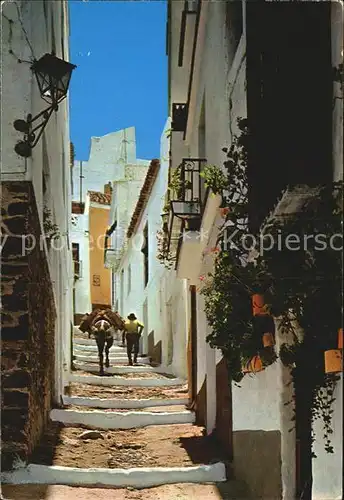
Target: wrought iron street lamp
(53, 77)
(189, 212)
(186, 209)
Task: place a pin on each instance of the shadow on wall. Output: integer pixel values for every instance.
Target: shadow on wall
(257, 463)
(154, 350)
(27, 327)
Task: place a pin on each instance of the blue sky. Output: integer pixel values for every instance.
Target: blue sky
(121, 75)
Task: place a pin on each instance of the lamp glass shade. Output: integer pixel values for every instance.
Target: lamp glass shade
(186, 209)
(53, 77)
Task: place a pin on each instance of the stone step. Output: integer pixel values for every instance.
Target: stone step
(113, 359)
(90, 342)
(92, 349)
(139, 457)
(129, 404)
(98, 419)
(113, 370)
(122, 381)
(126, 393)
(182, 491)
(139, 477)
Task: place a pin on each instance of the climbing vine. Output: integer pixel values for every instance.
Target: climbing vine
(51, 229)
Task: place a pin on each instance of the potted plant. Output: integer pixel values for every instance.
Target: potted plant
(268, 340)
(254, 365)
(259, 307)
(333, 361)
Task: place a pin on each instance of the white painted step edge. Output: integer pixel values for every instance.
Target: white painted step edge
(85, 360)
(117, 369)
(129, 382)
(91, 341)
(144, 477)
(117, 420)
(122, 403)
(125, 368)
(93, 349)
(94, 358)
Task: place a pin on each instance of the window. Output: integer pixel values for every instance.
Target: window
(129, 279)
(145, 251)
(76, 260)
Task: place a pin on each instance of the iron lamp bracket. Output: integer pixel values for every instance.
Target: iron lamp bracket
(32, 132)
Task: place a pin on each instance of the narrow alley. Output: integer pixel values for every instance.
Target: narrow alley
(132, 428)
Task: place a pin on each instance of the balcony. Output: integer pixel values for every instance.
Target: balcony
(179, 117)
(185, 215)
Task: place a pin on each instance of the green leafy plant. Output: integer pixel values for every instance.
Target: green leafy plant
(163, 253)
(303, 289)
(214, 178)
(51, 229)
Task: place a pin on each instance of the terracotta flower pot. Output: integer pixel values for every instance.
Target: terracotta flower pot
(333, 361)
(253, 366)
(223, 211)
(258, 305)
(340, 338)
(268, 340)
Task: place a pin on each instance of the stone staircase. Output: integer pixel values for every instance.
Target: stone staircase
(128, 428)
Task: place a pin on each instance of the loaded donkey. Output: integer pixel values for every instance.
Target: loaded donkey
(102, 324)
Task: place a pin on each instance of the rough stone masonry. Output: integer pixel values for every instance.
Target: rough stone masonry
(27, 326)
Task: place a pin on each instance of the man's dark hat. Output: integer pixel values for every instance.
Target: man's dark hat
(131, 316)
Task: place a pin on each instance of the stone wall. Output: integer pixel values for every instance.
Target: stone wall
(27, 326)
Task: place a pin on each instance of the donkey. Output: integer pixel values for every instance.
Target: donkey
(102, 324)
(102, 332)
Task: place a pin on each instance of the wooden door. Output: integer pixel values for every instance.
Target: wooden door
(224, 414)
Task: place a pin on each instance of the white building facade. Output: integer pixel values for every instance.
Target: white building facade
(35, 189)
(143, 284)
(213, 75)
(111, 158)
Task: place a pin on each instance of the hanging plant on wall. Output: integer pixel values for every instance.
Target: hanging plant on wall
(229, 289)
(163, 254)
(175, 185)
(306, 291)
(51, 229)
(303, 288)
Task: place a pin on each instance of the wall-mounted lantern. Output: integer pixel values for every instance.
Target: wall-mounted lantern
(179, 116)
(186, 209)
(53, 77)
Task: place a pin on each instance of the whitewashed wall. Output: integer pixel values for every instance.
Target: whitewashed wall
(164, 295)
(20, 96)
(108, 162)
(80, 235)
(218, 88)
(328, 468)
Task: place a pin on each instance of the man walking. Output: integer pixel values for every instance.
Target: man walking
(133, 329)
